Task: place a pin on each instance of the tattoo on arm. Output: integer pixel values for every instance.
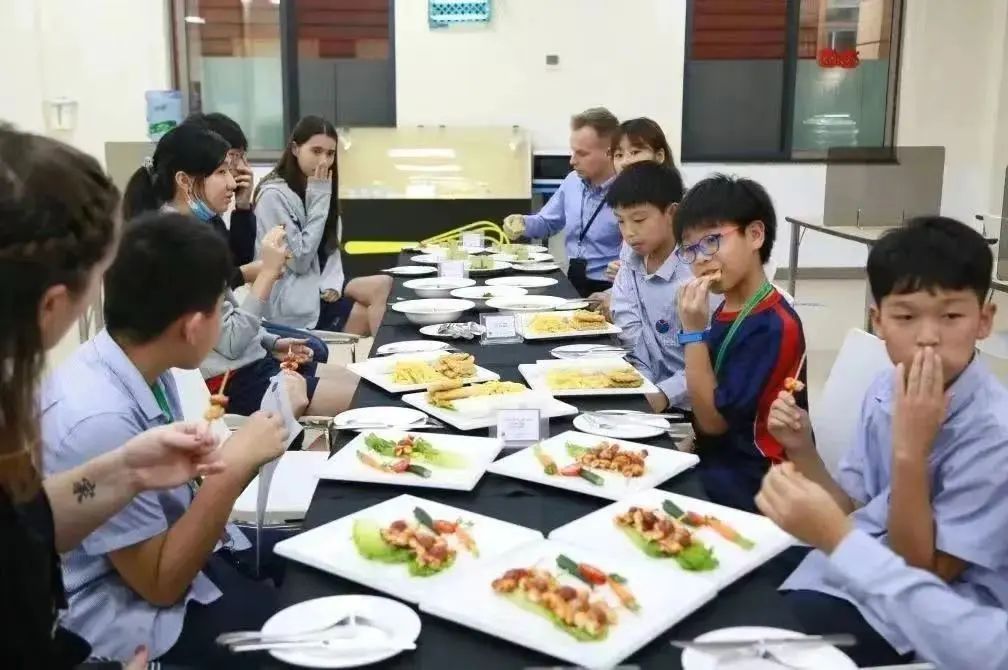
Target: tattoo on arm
(85, 488)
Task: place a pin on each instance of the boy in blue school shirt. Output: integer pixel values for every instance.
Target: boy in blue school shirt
(928, 472)
(726, 228)
(162, 572)
(644, 198)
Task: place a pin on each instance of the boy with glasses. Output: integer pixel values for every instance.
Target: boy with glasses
(735, 368)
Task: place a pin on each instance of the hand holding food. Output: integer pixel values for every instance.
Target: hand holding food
(612, 269)
(789, 424)
(802, 508)
(514, 225)
(694, 304)
(218, 401)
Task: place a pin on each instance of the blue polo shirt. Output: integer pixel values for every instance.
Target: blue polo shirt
(93, 403)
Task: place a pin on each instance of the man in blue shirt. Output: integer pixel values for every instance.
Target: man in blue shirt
(161, 573)
(940, 625)
(926, 474)
(578, 207)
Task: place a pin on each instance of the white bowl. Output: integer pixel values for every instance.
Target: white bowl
(480, 294)
(433, 310)
(437, 287)
(528, 303)
(531, 283)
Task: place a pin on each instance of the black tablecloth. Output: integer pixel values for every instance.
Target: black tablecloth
(443, 645)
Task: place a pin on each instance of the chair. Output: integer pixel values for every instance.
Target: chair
(861, 358)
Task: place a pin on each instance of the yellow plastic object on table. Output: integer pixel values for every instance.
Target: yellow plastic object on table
(488, 228)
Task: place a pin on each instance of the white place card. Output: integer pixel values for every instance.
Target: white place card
(517, 426)
(472, 240)
(500, 326)
(453, 269)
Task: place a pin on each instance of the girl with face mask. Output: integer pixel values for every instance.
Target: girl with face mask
(190, 173)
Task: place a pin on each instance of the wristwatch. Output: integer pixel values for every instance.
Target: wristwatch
(689, 338)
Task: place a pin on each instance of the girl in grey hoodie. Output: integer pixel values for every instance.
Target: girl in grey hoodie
(301, 194)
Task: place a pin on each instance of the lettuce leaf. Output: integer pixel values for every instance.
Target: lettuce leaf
(579, 634)
(695, 558)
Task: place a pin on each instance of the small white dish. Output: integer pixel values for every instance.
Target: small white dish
(622, 429)
(308, 615)
(432, 331)
(428, 311)
(523, 304)
(437, 287)
(533, 284)
(480, 294)
(537, 377)
(410, 270)
(821, 658)
(410, 347)
(536, 267)
(427, 259)
(533, 257)
(400, 417)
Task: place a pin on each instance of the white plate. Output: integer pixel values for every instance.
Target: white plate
(525, 304)
(410, 270)
(330, 547)
(471, 601)
(478, 451)
(478, 294)
(310, 614)
(432, 331)
(535, 375)
(597, 530)
(532, 248)
(427, 311)
(410, 346)
(473, 413)
(443, 251)
(432, 259)
(820, 658)
(624, 430)
(533, 257)
(497, 267)
(661, 465)
(533, 284)
(528, 334)
(437, 287)
(536, 267)
(378, 371)
(580, 352)
(399, 416)
(427, 259)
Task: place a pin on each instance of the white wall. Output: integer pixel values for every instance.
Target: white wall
(102, 53)
(628, 55)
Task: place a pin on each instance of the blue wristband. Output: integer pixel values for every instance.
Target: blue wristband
(689, 338)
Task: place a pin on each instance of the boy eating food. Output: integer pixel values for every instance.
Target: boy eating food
(926, 474)
(726, 228)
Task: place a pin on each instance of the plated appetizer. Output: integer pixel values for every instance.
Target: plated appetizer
(610, 456)
(660, 535)
(442, 394)
(584, 613)
(449, 366)
(573, 470)
(415, 447)
(556, 323)
(573, 378)
(424, 544)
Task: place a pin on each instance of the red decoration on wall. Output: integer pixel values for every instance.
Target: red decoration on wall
(832, 58)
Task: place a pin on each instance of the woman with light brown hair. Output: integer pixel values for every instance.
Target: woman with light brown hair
(58, 233)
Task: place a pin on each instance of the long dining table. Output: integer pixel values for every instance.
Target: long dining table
(752, 600)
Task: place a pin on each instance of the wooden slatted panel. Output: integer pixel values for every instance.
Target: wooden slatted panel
(326, 28)
(738, 29)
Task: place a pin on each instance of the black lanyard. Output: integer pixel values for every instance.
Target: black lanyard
(586, 226)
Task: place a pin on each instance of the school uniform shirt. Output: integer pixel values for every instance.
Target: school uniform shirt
(968, 468)
(942, 626)
(765, 350)
(645, 306)
(93, 403)
(569, 210)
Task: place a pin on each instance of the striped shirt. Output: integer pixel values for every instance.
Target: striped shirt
(92, 404)
(765, 351)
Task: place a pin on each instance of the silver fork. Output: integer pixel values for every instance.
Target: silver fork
(768, 655)
(348, 621)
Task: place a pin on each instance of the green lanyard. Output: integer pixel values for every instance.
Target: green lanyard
(162, 400)
(758, 297)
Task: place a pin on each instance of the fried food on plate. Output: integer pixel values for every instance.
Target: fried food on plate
(443, 393)
(572, 378)
(585, 320)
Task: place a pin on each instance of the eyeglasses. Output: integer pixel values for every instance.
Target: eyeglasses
(706, 247)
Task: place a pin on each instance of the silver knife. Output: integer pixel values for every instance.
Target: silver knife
(838, 640)
(386, 645)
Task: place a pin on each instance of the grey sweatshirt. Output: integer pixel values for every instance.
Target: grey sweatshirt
(295, 298)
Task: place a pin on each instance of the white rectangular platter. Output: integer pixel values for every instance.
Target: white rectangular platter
(529, 334)
(660, 465)
(330, 548)
(598, 531)
(478, 452)
(472, 602)
(535, 375)
(481, 412)
(378, 371)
